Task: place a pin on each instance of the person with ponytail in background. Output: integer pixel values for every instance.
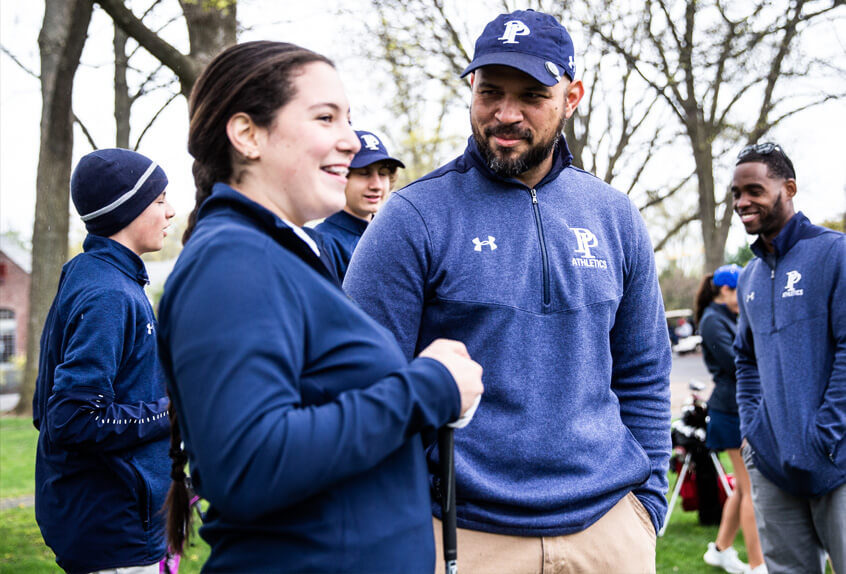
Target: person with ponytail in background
(716, 315)
(300, 415)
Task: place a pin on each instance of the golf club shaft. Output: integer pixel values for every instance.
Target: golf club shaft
(446, 452)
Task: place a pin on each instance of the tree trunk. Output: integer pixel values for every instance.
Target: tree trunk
(123, 102)
(210, 29)
(60, 43)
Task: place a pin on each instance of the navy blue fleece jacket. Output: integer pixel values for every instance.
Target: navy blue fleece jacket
(102, 469)
(554, 292)
(718, 327)
(791, 358)
(300, 414)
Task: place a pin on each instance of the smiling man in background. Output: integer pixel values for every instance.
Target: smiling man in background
(791, 368)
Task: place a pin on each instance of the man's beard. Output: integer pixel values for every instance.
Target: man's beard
(529, 159)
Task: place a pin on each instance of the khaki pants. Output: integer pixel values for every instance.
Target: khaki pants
(621, 542)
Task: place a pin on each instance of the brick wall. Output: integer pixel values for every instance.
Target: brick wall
(14, 295)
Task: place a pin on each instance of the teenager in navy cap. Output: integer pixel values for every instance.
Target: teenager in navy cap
(372, 174)
(547, 275)
(102, 467)
(716, 309)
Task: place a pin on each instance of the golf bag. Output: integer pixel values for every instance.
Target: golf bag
(705, 486)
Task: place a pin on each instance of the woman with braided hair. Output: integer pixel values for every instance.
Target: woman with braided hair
(300, 415)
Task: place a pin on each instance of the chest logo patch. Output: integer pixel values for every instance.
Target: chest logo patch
(149, 328)
(490, 243)
(586, 241)
(790, 290)
(750, 297)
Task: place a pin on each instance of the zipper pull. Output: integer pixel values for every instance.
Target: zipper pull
(772, 273)
(534, 196)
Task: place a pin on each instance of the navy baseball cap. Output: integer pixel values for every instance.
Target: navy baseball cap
(533, 42)
(727, 275)
(372, 150)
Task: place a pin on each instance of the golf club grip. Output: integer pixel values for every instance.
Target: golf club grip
(446, 453)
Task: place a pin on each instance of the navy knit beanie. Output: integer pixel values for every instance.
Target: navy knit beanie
(111, 187)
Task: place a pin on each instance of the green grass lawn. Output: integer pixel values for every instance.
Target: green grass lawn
(17, 456)
(23, 550)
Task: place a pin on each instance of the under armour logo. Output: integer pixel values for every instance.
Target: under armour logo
(586, 240)
(490, 243)
(513, 29)
(572, 63)
(371, 142)
(149, 328)
(750, 297)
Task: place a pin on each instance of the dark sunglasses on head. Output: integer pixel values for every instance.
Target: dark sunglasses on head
(767, 148)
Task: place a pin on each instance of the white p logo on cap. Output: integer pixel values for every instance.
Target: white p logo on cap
(371, 142)
(514, 28)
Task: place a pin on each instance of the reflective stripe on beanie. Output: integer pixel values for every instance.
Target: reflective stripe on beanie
(123, 198)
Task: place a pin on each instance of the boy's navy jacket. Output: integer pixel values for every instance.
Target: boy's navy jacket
(102, 469)
(554, 292)
(718, 327)
(791, 358)
(299, 413)
(341, 232)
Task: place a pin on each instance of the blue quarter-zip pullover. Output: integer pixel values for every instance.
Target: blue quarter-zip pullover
(299, 413)
(791, 358)
(102, 469)
(554, 292)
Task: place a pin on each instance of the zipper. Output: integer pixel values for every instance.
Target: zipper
(772, 296)
(544, 257)
(143, 497)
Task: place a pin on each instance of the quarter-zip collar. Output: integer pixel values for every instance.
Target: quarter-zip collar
(561, 159)
(223, 197)
(348, 222)
(118, 255)
(797, 228)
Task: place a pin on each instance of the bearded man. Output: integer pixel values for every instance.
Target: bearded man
(547, 275)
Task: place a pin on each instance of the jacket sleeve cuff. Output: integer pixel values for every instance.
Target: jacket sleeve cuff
(444, 387)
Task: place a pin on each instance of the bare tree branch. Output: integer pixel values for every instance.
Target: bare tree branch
(37, 77)
(681, 224)
(185, 67)
(85, 131)
(153, 119)
(656, 199)
(19, 63)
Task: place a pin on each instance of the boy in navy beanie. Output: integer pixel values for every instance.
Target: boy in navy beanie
(102, 466)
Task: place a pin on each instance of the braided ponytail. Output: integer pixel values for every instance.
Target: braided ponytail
(178, 497)
(204, 178)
